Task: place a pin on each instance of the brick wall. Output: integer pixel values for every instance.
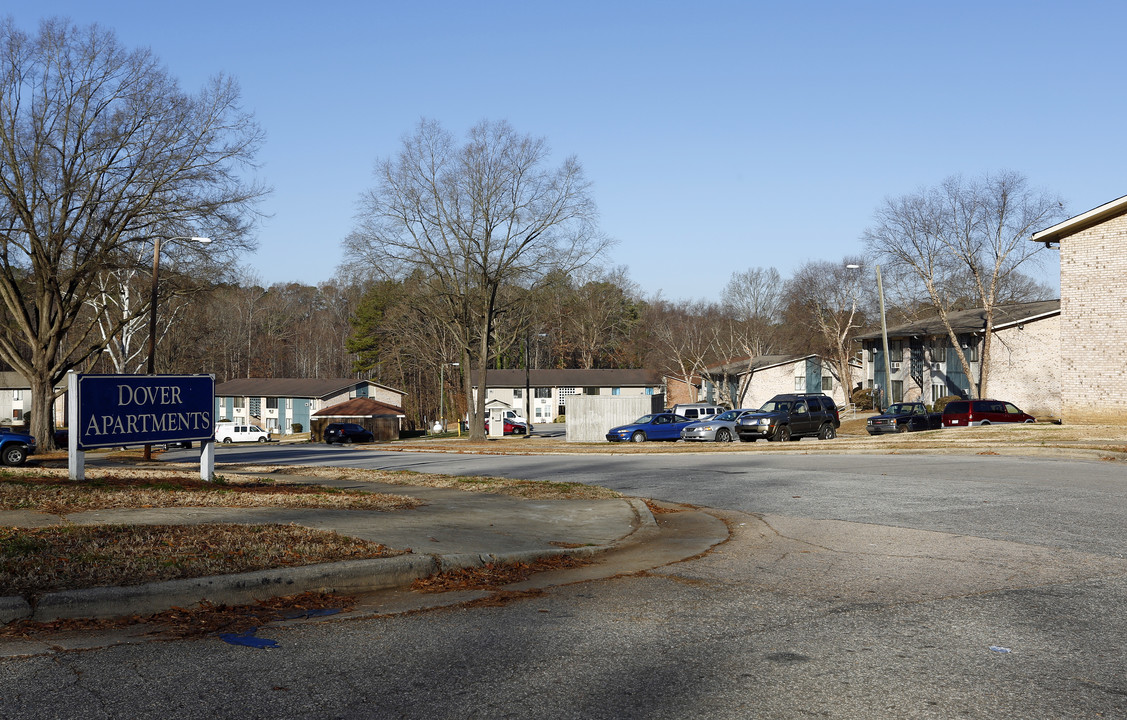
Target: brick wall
(1093, 286)
(1025, 367)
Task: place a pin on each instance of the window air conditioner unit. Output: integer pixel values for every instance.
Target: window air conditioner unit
(894, 366)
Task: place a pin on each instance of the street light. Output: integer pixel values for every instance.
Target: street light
(886, 391)
(148, 455)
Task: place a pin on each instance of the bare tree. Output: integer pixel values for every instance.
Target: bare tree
(830, 295)
(964, 235)
(476, 217)
(101, 152)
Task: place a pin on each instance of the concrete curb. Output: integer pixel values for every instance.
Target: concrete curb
(245, 588)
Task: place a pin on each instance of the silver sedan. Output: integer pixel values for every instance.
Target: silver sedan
(721, 428)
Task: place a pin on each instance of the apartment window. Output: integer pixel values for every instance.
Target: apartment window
(827, 383)
(271, 403)
(546, 393)
(289, 403)
(591, 391)
(897, 391)
(971, 351)
(800, 383)
(616, 391)
(240, 403)
(518, 394)
(938, 391)
(649, 391)
(17, 394)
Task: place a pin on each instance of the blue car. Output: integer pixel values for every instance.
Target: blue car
(658, 426)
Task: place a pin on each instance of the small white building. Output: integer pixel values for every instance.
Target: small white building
(550, 389)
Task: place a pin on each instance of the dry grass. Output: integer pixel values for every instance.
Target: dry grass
(49, 559)
(526, 489)
(60, 496)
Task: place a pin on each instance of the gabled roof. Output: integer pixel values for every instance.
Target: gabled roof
(291, 387)
(571, 378)
(972, 321)
(762, 362)
(1081, 222)
(359, 407)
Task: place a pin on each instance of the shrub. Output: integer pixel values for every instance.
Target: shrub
(863, 399)
(297, 427)
(942, 402)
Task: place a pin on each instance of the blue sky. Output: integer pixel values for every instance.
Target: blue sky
(718, 135)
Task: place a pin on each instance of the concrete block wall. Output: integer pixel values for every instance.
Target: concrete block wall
(590, 416)
(1093, 287)
(1025, 367)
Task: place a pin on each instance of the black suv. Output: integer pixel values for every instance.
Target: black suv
(347, 433)
(790, 417)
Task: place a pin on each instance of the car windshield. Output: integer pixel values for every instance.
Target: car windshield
(776, 406)
(730, 415)
(902, 408)
(644, 420)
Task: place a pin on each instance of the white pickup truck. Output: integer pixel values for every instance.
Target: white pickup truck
(233, 432)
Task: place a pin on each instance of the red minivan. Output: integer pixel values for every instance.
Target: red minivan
(961, 413)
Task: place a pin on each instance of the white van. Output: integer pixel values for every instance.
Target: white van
(232, 432)
(697, 411)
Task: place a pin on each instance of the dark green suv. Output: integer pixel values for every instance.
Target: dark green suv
(790, 417)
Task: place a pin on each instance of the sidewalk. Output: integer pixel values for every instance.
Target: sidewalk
(453, 529)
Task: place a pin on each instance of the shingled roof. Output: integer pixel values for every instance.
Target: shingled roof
(359, 407)
(290, 387)
(571, 378)
(972, 321)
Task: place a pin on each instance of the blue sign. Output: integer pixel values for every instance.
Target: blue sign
(118, 410)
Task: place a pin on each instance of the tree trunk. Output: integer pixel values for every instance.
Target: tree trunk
(43, 412)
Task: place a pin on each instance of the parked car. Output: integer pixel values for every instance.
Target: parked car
(509, 427)
(904, 417)
(721, 428)
(656, 426)
(347, 433)
(515, 417)
(696, 411)
(15, 446)
(791, 416)
(961, 413)
(233, 432)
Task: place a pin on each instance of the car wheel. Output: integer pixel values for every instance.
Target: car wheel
(827, 432)
(328, 441)
(782, 434)
(723, 435)
(262, 439)
(902, 428)
(15, 455)
(638, 436)
(227, 441)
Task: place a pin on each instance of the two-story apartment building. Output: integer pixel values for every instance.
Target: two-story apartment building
(276, 404)
(1093, 312)
(1024, 368)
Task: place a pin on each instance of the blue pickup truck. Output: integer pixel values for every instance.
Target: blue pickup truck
(904, 417)
(15, 446)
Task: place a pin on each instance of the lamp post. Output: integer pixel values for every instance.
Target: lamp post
(153, 311)
(886, 390)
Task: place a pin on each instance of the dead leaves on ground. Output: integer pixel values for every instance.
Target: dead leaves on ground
(492, 575)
